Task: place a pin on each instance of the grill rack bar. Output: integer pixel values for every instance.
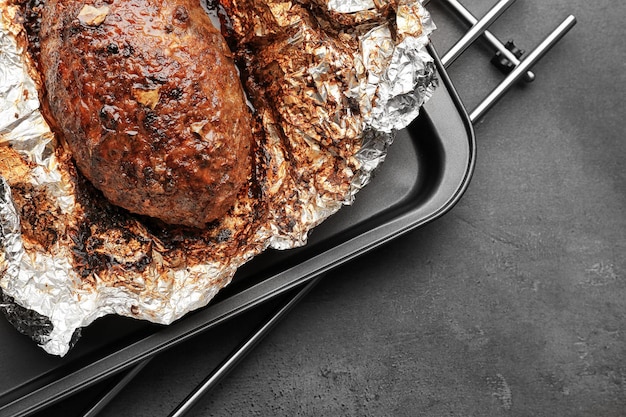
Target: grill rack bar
(532, 58)
(239, 353)
(521, 70)
(469, 18)
(475, 31)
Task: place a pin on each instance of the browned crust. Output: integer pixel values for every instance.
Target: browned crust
(149, 101)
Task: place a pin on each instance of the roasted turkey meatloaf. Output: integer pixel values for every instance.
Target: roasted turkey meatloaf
(147, 97)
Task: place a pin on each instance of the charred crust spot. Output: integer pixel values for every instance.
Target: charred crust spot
(85, 261)
(160, 141)
(109, 116)
(106, 238)
(113, 49)
(169, 186)
(353, 104)
(141, 264)
(30, 13)
(175, 93)
(75, 28)
(158, 78)
(128, 51)
(150, 118)
(149, 176)
(37, 215)
(129, 170)
(224, 235)
(180, 15)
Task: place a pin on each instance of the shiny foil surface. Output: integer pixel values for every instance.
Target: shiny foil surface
(358, 72)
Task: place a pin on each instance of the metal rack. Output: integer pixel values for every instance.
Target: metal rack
(514, 63)
(508, 58)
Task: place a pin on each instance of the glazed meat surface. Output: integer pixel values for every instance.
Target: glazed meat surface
(146, 96)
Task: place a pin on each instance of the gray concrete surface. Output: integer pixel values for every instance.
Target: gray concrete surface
(513, 304)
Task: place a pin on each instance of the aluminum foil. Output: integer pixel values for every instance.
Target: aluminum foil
(67, 257)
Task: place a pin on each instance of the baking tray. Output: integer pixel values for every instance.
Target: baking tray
(427, 170)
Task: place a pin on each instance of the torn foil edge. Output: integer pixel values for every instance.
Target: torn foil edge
(395, 95)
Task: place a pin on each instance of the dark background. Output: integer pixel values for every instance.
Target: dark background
(513, 304)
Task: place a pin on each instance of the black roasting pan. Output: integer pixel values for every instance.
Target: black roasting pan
(426, 171)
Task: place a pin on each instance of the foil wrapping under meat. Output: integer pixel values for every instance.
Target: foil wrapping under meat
(353, 72)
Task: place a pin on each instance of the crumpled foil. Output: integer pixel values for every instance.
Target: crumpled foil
(67, 257)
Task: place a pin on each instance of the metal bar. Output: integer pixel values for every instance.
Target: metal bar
(238, 354)
(489, 37)
(115, 389)
(475, 31)
(217, 374)
(522, 68)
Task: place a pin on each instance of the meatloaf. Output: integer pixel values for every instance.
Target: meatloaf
(146, 96)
